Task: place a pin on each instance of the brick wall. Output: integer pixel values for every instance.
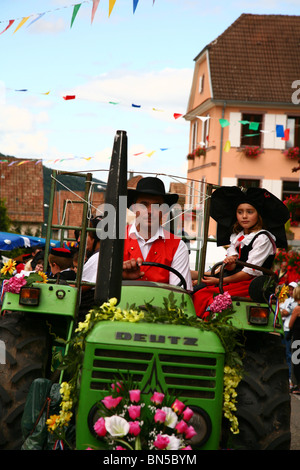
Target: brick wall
(21, 185)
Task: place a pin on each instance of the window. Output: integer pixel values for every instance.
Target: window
(248, 183)
(201, 84)
(194, 135)
(293, 124)
(251, 134)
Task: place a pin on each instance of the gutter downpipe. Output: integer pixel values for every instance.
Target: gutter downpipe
(221, 147)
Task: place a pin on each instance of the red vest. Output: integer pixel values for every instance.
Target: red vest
(162, 251)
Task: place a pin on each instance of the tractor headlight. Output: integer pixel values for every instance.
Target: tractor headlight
(258, 315)
(202, 424)
(29, 296)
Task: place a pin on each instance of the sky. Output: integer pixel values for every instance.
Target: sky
(111, 65)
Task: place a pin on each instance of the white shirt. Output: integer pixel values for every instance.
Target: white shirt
(289, 304)
(262, 248)
(180, 260)
(90, 268)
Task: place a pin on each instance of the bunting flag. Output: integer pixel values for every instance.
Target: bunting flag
(23, 21)
(11, 22)
(227, 146)
(135, 3)
(111, 6)
(38, 16)
(36, 19)
(94, 9)
(69, 97)
(75, 11)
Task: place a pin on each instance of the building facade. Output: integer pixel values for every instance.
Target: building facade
(244, 110)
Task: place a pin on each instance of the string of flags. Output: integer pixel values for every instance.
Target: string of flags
(55, 161)
(279, 130)
(76, 7)
(110, 102)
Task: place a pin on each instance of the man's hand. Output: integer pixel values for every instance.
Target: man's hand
(132, 269)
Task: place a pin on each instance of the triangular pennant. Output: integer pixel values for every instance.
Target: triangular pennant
(75, 11)
(135, 3)
(8, 26)
(94, 9)
(111, 6)
(224, 122)
(36, 19)
(227, 146)
(69, 97)
(253, 126)
(177, 115)
(23, 21)
(150, 154)
(286, 135)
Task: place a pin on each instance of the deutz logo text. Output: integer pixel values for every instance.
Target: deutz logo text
(156, 338)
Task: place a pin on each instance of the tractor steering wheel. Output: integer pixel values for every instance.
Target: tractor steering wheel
(168, 268)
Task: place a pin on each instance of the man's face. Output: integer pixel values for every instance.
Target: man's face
(149, 210)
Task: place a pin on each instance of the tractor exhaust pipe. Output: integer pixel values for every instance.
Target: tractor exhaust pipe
(110, 264)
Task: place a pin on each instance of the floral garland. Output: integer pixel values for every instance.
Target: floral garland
(13, 282)
(169, 313)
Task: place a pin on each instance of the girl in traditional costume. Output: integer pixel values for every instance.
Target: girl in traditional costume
(251, 222)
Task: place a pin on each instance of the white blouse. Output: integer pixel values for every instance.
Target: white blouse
(262, 248)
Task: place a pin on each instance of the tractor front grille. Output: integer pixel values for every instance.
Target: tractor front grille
(188, 375)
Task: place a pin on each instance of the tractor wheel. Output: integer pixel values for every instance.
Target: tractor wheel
(26, 342)
(263, 408)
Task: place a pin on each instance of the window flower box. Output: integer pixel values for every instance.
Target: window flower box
(252, 152)
(292, 153)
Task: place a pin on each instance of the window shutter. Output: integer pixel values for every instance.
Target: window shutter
(235, 129)
(280, 120)
(270, 140)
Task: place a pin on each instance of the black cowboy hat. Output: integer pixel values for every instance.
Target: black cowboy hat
(153, 186)
(225, 200)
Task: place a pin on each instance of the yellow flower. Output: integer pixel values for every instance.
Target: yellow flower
(52, 422)
(9, 267)
(43, 276)
(283, 294)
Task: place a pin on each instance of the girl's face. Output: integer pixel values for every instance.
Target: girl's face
(247, 217)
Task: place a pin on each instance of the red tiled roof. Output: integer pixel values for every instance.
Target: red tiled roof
(256, 59)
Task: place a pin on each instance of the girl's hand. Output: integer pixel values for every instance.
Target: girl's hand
(210, 281)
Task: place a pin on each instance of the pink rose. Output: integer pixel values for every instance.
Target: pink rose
(161, 442)
(134, 411)
(178, 406)
(134, 428)
(190, 432)
(160, 416)
(157, 398)
(135, 395)
(187, 414)
(181, 427)
(111, 402)
(100, 428)
(120, 448)
(118, 386)
(187, 448)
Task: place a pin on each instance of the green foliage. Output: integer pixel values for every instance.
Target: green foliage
(4, 219)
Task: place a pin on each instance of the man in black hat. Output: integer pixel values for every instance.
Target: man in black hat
(148, 241)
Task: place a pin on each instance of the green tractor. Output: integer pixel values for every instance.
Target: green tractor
(178, 360)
